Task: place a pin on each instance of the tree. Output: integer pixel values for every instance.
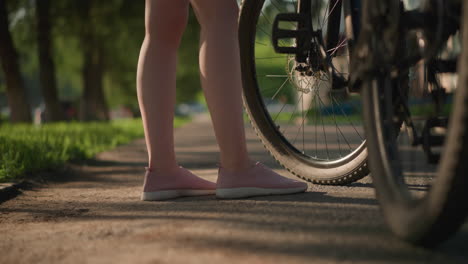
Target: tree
(188, 75)
(93, 103)
(125, 26)
(53, 110)
(16, 94)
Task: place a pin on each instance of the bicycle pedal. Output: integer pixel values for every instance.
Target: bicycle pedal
(301, 34)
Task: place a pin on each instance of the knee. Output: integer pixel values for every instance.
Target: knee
(216, 14)
(166, 21)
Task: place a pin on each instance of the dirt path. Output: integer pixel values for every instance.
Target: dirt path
(98, 218)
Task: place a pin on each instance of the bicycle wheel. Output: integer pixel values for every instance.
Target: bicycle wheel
(418, 155)
(303, 112)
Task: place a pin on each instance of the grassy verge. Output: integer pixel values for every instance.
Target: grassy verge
(29, 149)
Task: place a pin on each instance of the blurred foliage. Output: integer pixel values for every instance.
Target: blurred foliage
(2, 84)
(276, 66)
(28, 149)
(118, 25)
(188, 79)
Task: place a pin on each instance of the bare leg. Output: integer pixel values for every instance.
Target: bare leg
(156, 77)
(238, 176)
(165, 22)
(221, 78)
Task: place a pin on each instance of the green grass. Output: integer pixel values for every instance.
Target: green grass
(428, 109)
(270, 63)
(29, 149)
(310, 119)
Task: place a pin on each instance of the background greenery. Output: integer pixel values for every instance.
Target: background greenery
(118, 25)
(91, 46)
(27, 149)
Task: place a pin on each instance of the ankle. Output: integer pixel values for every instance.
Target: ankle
(162, 169)
(162, 165)
(237, 167)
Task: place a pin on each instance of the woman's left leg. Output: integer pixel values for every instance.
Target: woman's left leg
(221, 78)
(238, 176)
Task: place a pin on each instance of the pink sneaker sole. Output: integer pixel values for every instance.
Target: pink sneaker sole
(170, 194)
(243, 192)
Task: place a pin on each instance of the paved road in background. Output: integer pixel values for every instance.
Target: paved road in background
(95, 216)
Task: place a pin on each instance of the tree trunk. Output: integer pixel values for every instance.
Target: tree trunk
(53, 110)
(93, 104)
(16, 94)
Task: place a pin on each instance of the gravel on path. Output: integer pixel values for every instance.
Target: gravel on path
(95, 216)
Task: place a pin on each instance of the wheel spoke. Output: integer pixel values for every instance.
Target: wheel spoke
(328, 13)
(292, 115)
(279, 87)
(341, 132)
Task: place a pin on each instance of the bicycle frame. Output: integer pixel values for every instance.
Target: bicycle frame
(438, 29)
(309, 44)
(305, 31)
(313, 53)
(431, 26)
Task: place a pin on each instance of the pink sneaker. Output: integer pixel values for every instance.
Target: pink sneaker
(255, 181)
(175, 183)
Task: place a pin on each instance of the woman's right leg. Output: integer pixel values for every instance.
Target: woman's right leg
(165, 21)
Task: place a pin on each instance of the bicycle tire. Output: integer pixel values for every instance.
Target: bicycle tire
(429, 220)
(344, 170)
